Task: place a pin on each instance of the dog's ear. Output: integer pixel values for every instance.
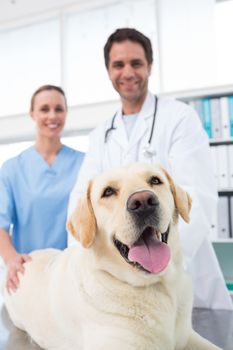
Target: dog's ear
(82, 223)
(183, 201)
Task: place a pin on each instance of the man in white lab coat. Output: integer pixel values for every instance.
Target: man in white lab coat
(151, 129)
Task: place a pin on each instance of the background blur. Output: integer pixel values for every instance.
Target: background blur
(61, 42)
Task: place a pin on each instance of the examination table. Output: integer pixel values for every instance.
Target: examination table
(215, 325)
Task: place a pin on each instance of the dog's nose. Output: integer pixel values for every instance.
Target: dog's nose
(143, 201)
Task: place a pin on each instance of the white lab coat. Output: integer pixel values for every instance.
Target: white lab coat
(181, 146)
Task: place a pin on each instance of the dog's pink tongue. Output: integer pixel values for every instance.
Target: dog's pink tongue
(150, 253)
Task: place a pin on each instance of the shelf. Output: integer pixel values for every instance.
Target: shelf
(225, 192)
(221, 142)
(214, 107)
(224, 90)
(222, 241)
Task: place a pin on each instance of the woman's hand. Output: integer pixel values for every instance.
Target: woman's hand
(14, 266)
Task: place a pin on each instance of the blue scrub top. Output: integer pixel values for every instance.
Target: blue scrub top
(34, 198)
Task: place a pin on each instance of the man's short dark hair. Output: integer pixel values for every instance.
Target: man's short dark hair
(133, 35)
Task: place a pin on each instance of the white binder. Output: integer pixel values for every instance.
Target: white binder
(213, 151)
(230, 165)
(214, 226)
(225, 118)
(223, 218)
(216, 118)
(222, 163)
(231, 212)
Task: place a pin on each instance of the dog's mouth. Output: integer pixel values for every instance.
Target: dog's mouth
(149, 253)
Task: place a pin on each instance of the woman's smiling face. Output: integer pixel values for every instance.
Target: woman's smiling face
(49, 113)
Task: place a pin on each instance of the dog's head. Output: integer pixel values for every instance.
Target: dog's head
(129, 217)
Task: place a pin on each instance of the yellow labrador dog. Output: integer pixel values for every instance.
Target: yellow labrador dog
(124, 286)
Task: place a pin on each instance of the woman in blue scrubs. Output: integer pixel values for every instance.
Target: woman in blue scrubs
(35, 186)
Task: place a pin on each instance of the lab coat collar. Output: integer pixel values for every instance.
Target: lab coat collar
(147, 109)
(140, 126)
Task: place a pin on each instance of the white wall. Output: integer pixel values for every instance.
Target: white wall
(14, 10)
(80, 119)
(84, 116)
(186, 41)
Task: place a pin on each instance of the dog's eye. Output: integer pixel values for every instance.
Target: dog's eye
(109, 191)
(154, 180)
